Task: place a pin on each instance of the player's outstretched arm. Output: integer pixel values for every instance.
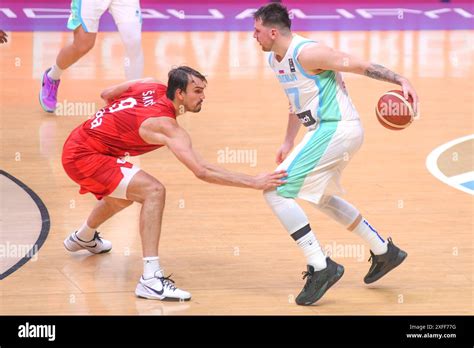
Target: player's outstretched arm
(166, 131)
(318, 57)
(113, 92)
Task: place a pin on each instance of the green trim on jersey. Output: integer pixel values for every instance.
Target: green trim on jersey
(327, 89)
(307, 159)
(327, 85)
(75, 19)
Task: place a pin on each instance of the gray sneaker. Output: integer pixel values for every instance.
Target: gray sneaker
(382, 264)
(318, 282)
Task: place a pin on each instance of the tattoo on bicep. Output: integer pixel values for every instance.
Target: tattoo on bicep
(379, 72)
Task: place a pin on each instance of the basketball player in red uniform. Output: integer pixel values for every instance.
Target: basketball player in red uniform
(140, 117)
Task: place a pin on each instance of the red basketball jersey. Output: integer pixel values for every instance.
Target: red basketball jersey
(113, 130)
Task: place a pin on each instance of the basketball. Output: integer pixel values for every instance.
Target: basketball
(394, 111)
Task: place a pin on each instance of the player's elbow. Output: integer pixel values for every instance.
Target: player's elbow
(104, 95)
(201, 173)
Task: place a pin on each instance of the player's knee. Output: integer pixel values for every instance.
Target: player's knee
(272, 198)
(323, 202)
(84, 45)
(156, 191)
(134, 45)
(267, 196)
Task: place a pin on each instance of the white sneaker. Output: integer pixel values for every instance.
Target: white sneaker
(160, 288)
(96, 246)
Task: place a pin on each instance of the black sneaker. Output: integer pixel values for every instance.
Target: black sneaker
(382, 264)
(319, 282)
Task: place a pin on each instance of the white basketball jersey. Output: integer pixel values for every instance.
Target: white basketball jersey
(314, 98)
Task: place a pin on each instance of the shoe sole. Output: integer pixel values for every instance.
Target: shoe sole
(41, 99)
(402, 255)
(331, 282)
(141, 293)
(43, 106)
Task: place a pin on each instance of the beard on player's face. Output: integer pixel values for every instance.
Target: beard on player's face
(193, 106)
(198, 106)
(194, 96)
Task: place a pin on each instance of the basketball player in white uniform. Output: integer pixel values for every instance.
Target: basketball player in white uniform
(84, 21)
(309, 73)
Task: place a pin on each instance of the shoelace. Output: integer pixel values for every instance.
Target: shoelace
(97, 237)
(52, 86)
(372, 257)
(308, 275)
(168, 282)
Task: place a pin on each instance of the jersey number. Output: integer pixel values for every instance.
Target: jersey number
(294, 94)
(124, 104)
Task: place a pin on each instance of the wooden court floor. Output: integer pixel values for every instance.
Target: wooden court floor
(223, 244)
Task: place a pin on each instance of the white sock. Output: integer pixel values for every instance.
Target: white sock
(293, 218)
(312, 250)
(55, 72)
(85, 233)
(150, 266)
(377, 244)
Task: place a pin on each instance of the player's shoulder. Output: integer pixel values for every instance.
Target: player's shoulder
(304, 44)
(162, 124)
(157, 105)
(312, 49)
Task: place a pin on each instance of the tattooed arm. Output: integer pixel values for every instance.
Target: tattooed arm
(315, 58)
(379, 72)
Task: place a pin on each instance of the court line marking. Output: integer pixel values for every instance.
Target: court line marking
(432, 166)
(45, 225)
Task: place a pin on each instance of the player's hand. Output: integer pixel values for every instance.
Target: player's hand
(267, 181)
(283, 151)
(408, 90)
(3, 36)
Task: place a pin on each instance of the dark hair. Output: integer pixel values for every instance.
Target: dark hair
(179, 78)
(274, 14)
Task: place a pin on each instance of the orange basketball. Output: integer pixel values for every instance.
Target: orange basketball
(394, 111)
